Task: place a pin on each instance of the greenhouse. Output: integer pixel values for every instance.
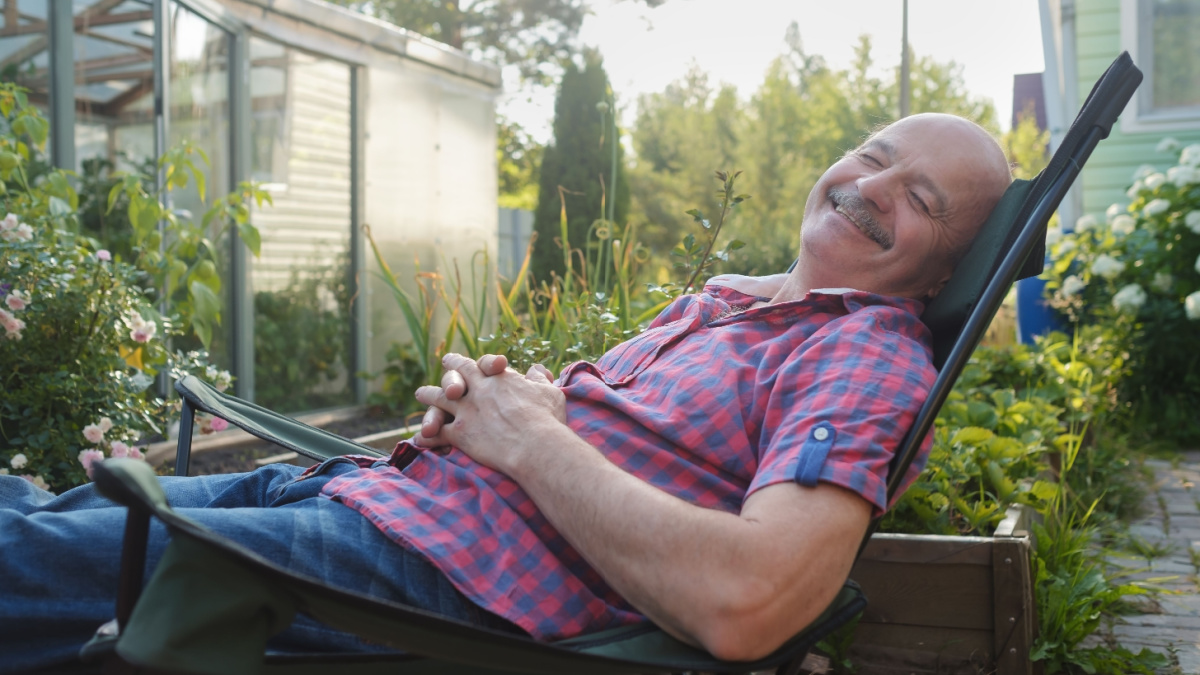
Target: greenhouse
(345, 121)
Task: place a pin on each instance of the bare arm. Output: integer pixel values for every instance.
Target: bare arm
(738, 585)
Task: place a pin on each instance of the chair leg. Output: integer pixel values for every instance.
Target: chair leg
(133, 563)
(183, 449)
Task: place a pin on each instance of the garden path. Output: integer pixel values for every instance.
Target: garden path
(1167, 541)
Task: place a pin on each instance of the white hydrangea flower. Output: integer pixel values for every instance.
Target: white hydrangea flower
(1107, 266)
(1053, 235)
(1192, 220)
(1156, 207)
(1134, 190)
(1129, 299)
(1167, 144)
(1113, 211)
(1073, 285)
(1066, 246)
(1124, 224)
(18, 461)
(1182, 176)
(1191, 305)
(1142, 171)
(1190, 155)
(1155, 181)
(1163, 281)
(1085, 223)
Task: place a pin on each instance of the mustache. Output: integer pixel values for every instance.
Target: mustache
(856, 207)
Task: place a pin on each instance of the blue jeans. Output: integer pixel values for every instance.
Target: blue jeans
(60, 557)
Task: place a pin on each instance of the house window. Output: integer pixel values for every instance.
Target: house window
(1164, 38)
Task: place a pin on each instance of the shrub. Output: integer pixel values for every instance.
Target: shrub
(1135, 273)
(80, 337)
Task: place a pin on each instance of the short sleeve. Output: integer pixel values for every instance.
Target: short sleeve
(839, 409)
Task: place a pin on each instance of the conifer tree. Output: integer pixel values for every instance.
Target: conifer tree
(579, 160)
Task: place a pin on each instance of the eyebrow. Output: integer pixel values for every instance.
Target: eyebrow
(923, 180)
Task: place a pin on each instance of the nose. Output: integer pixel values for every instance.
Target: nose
(878, 189)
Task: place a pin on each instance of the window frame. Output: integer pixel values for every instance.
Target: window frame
(1135, 118)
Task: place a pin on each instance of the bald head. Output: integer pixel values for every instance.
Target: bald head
(896, 214)
(987, 173)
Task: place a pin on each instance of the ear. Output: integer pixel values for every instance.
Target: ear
(937, 287)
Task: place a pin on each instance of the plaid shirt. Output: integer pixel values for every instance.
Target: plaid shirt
(709, 404)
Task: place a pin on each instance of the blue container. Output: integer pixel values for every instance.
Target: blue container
(1034, 316)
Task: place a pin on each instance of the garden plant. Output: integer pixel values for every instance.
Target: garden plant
(1134, 272)
(85, 331)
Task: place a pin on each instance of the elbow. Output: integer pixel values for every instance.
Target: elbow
(752, 624)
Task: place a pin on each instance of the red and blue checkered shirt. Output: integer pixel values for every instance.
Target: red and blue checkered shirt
(709, 404)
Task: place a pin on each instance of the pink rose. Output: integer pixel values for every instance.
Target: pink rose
(103, 255)
(136, 453)
(88, 459)
(119, 449)
(93, 433)
(143, 331)
(219, 424)
(17, 301)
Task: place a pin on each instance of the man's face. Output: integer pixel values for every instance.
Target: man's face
(889, 216)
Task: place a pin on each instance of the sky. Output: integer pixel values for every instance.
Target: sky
(734, 41)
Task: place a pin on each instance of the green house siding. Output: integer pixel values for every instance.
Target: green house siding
(1109, 172)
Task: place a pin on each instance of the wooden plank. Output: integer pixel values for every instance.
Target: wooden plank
(929, 548)
(916, 649)
(1015, 610)
(921, 594)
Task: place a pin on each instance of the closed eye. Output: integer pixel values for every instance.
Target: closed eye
(921, 202)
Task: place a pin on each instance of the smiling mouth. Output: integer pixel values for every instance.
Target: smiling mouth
(854, 209)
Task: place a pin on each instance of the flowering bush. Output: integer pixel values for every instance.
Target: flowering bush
(80, 341)
(1135, 270)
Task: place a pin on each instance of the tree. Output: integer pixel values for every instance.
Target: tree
(536, 36)
(519, 158)
(803, 117)
(577, 165)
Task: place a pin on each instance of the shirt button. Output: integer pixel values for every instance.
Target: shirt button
(820, 433)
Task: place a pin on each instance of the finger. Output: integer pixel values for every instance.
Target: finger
(539, 373)
(436, 443)
(435, 396)
(465, 366)
(435, 418)
(454, 385)
(493, 364)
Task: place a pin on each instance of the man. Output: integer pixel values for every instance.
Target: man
(714, 474)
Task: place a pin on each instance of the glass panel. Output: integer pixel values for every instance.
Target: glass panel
(1170, 43)
(198, 97)
(301, 132)
(25, 48)
(114, 107)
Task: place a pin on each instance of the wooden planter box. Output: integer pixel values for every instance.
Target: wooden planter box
(941, 604)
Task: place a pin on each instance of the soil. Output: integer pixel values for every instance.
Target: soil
(237, 460)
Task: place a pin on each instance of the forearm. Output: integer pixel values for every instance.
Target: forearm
(708, 577)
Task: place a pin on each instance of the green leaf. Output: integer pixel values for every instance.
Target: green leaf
(972, 436)
(205, 303)
(251, 237)
(59, 208)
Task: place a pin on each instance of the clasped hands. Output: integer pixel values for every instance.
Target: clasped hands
(488, 410)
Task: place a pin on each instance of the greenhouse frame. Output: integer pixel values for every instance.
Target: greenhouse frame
(345, 120)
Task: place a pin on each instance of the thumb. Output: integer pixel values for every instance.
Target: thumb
(540, 374)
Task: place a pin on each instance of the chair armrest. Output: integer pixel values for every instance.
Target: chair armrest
(131, 483)
(268, 425)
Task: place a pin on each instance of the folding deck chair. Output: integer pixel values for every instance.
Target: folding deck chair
(211, 604)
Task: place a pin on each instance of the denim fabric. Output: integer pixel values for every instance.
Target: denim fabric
(60, 557)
